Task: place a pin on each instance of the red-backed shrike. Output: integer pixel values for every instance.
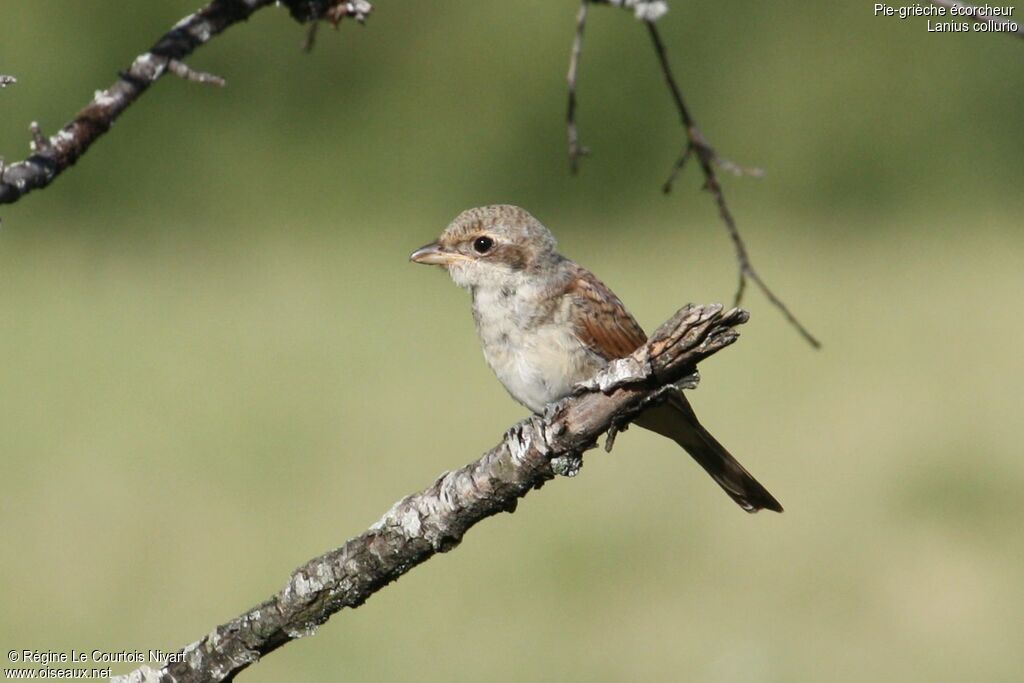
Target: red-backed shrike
(546, 324)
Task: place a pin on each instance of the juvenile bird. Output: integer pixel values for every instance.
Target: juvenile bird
(546, 323)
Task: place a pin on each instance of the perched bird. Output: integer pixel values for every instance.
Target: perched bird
(546, 323)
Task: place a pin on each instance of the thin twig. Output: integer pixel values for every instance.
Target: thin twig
(435, 519)
(677, 167)
(708, 159)
(64, 148)
(726, 165)
(183, 70)
(576, 150)
(737, 170)
(997, 23)
(310, 39)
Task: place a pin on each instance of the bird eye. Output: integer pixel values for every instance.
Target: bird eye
(482, 245)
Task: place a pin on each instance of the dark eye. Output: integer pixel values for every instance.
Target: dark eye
(482, 245)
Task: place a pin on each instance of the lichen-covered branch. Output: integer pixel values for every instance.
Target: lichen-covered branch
(53, 155)
(436, 519)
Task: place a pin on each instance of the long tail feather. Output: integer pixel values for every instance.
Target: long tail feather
(675, 419)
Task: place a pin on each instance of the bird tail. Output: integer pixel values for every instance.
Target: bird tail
(675, 419)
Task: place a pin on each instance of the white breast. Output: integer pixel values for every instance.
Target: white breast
(530, 347)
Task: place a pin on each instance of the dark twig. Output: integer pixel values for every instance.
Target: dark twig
(310, 40)
(677, 167)
(998, 23)
(183, 70)
(65, 147)
(436, 519)
(720, 163)
(708, 159)
(576, 150)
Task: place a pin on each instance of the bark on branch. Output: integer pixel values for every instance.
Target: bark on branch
(435, 519)
(52, 155)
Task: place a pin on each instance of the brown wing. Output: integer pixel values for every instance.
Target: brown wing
(602, 323)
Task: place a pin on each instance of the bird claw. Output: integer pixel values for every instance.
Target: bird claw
(552, 409)
(688, 382)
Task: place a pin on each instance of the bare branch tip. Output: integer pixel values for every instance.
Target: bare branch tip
(677, 168)
(310, 40)
(40, 143)
(737, 170)
(184, 71)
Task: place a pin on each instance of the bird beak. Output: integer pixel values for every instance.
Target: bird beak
(432, 254)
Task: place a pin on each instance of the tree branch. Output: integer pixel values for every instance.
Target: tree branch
(991, 20)
(708, 160)
(60, 151)
(436, 519)
(649, 11)
(576, 149)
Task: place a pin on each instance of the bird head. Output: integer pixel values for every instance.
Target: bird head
(490, 245)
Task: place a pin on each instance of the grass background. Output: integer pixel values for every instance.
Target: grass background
(215, 361)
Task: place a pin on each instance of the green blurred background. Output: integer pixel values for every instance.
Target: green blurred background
(217, 362)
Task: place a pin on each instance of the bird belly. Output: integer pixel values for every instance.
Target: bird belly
(540, 367)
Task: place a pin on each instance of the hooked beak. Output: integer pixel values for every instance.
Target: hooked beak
(433, 254)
